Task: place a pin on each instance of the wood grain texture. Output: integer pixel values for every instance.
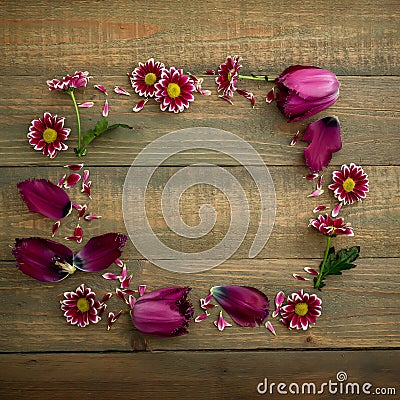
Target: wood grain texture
(374, 220)
(368, 109)
(360, 309)
(351, 38)
(170, 375)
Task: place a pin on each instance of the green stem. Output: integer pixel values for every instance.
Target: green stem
(257, 78)
(321, 270)
(77, 118)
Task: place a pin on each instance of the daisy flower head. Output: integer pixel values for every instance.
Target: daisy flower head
(331, 226)
(174, 91)
(47, 134)
(68, 82)
(81, 307)
(301, 311)
(350, 184)
(145, 76)
(228, 73)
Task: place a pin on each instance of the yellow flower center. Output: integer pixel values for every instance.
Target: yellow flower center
(301, 309)
(173, 90)
(348, 185)
(49, 135)
(83, 305)
(150, 79)
(230, 74)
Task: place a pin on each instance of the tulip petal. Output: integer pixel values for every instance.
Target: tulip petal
(324, 138)
(247, 306)
(45, 198)
(100, 252)
(42, 258)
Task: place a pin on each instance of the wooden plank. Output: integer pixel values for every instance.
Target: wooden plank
(367, 107)
(374, 220)
(360, 309)
(350, 38)
(209, 375)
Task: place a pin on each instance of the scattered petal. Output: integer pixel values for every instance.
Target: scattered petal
(220, 323)
(311, 271)
(311, 177)
(82, 211)
(269, 326)
(110, 276)
(101, 88)
(226, 98)
(86, 173)
(319, 209)
(119, 262)
(72, 180)
(142, 290)
(201, 317)
(299, 277)
(316, 193)
(105, 109)
(74, 239)
(61, 181)
(78, 232)
(120, 90)
(270, 96)
(247, 95)
(295, 138)
(112, 319)
(131, 301)
(140, 105)
(279, 299)
(55, 227)
(106, 297)
(87, 104)
(205, 303)
(210, 72)
(126, 282)
(92, 216)
(336, 210)
(86, 189)
(74, 167)
(121, 295)
(319, 183)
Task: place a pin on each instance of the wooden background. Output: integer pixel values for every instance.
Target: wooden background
(358, 332)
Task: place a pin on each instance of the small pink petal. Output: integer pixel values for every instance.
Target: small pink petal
(124, 273)
(319, 209)
(247, 95)
(131, 301)
(100, 311)
(120, 294)
(87, 104)
(112, 318)
(295, 138)
(72, 180)
(140, 105)
(142, 290)
(270, 96)
(319, 183)
(316, 193)
(336, 210)
(204, 92)
(226, 98)
(311, 177)
(105, 109)
(74, 167)
(55, 227)
(92, 216)
(126, 282)
(101, 88)
(205, 303)
(201, 317)
(311, 271)
(61, 181)
(77, 206)
(129, 291)
(299, 277)
(120, 90)
(220, 323)
(110, 276)
(86, 189)
(82, 211)
(86, 173)
(119, 262)
(78, 232)
(279, 299)
(269, 326)
(210, 72)
(276, 312)
(73, 238)
(106, 297)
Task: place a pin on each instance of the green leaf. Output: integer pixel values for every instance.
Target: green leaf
(338, 262)
(91, 134)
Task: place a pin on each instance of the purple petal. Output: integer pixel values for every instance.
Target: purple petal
(45, 198)
(42, 259)
(100, 252)
(247, 306)
(269, 326)
(324, 138)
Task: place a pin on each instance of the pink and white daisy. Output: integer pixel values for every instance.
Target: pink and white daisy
(331, 226)
(145, 76)
(174, 91)
(81, 307)
(228, 73)
(350, 184)
(48, 134)
(302, 310)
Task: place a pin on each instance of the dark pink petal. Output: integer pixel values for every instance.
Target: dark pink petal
(131, 301)
(247, 306)
(78, 232)
(86, 189)
(295, 138)
(100, 252)
(124, 273)
(43, 259)
(269, 326)
(101, 88)
(106, 297)
(336, 210)
(311, 271)
(82, 211)
(221, 323)
(92, 216)
(140, 105)
(121, 295)
(106, 109)
(205, 303)
(74, 239)
(210, 72)
(299, 277)
(86, 173)
(270, 96)
(226, 98)
(126, 282)
(120, 90)
(247, 95)
(87, 104)
(61, 181)
(279, 299)
(77, 206)
(45, 198)
(100, 311)
(316, 193)
(319, 183)
(72, 180)
(119, 262)
(110, 276)
(55, 227)
(142, 290)
(324, 138)
(112, 319)
(319, 209)
(201, 317)
(311, 177)
(74, 167)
